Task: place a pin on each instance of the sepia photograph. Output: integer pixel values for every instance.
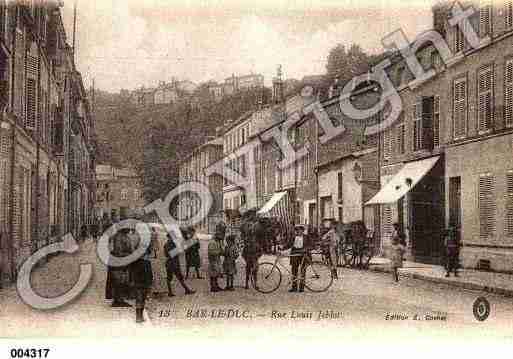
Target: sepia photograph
(255, 173)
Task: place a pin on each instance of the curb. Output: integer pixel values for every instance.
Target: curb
(465, 285)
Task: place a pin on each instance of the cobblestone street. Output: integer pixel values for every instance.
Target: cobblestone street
(359, 301)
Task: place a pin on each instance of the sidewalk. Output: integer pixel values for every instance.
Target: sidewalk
(497, 283)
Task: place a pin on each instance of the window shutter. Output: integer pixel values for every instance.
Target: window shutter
(485, 99)
(508, 93)
(485, 16)
(508, 11)
(460, 108)
(340, 187)
(509, 204)
(436, 121)
(30, 122)
(487, 206)
(427, 122)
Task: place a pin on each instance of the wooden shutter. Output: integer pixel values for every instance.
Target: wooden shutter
(485, 19)
(436, 121)
(460, 108)
(417, 127)
(487, 206)
(19, 91)
(485, 99)
(400, 138)
(509, 204)
(427, 122)
(508, 93)
(30, 122)
(340, 187)
(508, 13)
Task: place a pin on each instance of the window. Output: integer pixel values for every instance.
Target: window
(137, 194)
(436, 121)
(485, 99)
(460, 108)
(459, 38)
(509, 203)
(30, 122)
(508, 13)
(340, 187)
(487, 206)
(417, 127)
(401, 132)
(485, 18)
(508, 93)
(387, 144)
(124, 194)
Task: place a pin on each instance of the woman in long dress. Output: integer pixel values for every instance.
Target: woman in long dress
(158, 263)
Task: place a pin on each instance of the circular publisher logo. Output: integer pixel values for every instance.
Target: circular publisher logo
(481, 309)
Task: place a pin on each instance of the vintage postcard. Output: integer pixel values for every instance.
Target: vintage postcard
(255, 172)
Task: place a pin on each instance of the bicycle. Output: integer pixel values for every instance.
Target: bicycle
(356, 254)
(317, 275)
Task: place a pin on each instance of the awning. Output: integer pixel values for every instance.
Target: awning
(404, 181)
(272, 202)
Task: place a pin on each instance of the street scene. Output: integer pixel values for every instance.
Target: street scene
(215, 170)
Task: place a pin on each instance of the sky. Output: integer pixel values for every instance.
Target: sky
(126, 44)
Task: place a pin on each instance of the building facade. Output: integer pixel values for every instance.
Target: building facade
(118, 194)
(451, 150)
(193, 169)
(46, 134)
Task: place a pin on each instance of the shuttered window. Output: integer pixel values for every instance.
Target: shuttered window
(460, 108)
(388, 214)
(340, 187)
(19, 91)
(401, 132)
(485, 18)
(417, 127)
(436, 121)
(485, 99)
(508, 93)
(508, 13)
(387, 143)
(509, 203)
(487, 206)
(459, 39)
(30, 122)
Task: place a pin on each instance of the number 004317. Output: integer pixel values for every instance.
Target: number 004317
(29, 353)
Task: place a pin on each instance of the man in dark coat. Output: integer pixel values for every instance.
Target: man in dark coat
(142, 279)
(117, 286)
(300, 246)
(173, 267)
(252, 232)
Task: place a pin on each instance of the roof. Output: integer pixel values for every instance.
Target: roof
(214, 142)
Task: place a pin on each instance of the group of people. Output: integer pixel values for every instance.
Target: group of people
(144, 276)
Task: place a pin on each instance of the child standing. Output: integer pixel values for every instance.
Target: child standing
(397, 256)
(231, 253)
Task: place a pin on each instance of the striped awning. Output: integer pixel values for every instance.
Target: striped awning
(280, 207)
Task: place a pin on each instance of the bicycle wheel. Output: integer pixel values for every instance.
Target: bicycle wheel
(268, 277)
(318, 277)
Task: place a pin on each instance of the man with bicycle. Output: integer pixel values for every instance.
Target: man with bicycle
(300, 246)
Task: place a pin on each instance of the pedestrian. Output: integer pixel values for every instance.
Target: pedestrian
(192, 253)
(300, 246)
(398, 251)
(397, 232)
(173, 267)
(158, 264)
(117, 286)
(142, 279)
(452, 251)
(231, 253)
(330, 240)
(215, 251)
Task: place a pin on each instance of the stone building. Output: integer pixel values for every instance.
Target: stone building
(448, 160)
(47, 138)
(119, 193)
(193, 168)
